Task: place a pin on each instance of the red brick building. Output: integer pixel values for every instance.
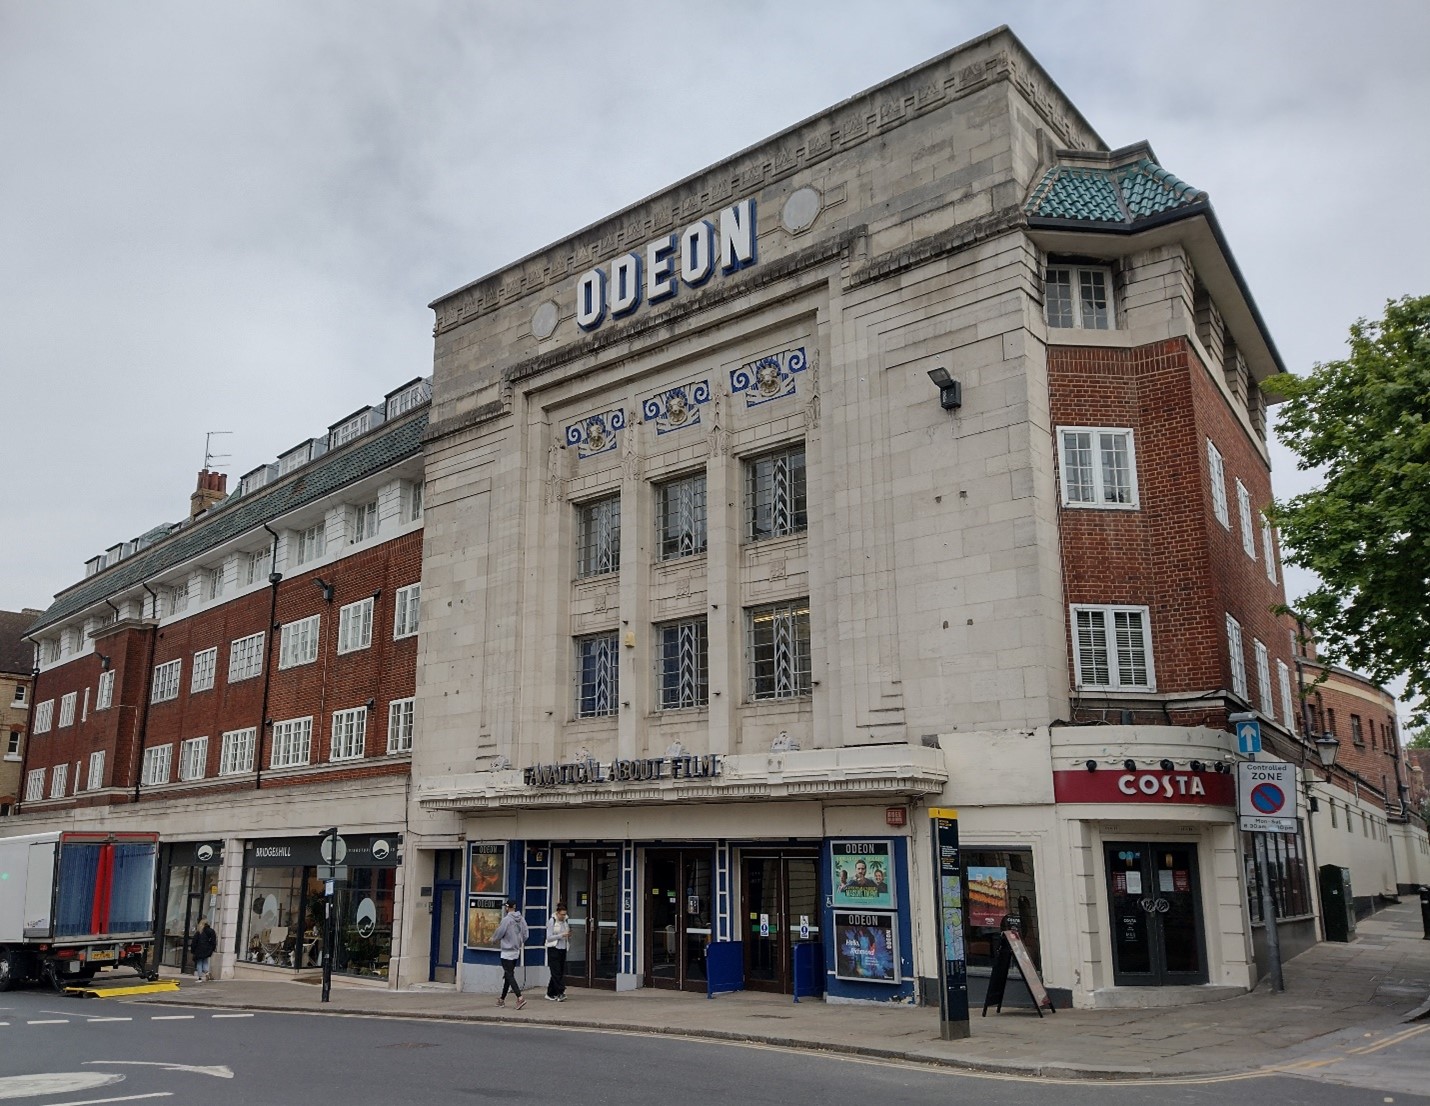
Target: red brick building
(242, 681)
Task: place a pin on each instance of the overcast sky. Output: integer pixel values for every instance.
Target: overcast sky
(232, 216)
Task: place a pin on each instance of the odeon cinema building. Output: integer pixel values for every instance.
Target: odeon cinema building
(912, 458)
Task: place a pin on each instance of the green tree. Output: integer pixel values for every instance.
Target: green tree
(1420, 739)
(1365, 422)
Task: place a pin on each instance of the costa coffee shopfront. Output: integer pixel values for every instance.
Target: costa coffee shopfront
(281, 923)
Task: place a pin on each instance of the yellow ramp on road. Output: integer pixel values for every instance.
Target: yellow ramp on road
(121, 990)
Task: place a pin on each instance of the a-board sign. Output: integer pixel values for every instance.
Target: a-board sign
(1011, 949)
(1266, 796)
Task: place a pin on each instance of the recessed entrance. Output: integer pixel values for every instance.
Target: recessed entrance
(779, 891)
(591, 889)
(1155, 903)
(677, 917)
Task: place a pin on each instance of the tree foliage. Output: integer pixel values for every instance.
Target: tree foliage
(1419, 739)
(1365, 422)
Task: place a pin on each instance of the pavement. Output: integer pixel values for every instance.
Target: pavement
(1339, 999)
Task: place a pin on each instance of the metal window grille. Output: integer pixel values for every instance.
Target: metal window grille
(682, 517)
(775, 494)
(598, 548)
(349, 734)
(778, 651)
(684, 665)
(598, 675)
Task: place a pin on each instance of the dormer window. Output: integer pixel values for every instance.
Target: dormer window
(408, 397)
(349, 429)
(295, 458)
(254, 480)
(1079, 297)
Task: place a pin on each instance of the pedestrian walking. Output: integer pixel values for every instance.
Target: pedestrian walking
(203, 945)
(558, 940)
(511, 937)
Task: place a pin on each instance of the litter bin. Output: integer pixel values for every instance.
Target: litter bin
(1338, 907)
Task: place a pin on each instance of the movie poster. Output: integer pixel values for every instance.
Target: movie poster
(987, 896)
(483, 917)
(862, 875)
(866, 947)
(488, 874)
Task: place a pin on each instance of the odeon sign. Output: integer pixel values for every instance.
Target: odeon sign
(656, 271)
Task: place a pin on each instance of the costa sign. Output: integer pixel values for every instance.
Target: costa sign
(655, 271)
(1145, 786)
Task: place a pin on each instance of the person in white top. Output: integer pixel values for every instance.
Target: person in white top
(558, 940)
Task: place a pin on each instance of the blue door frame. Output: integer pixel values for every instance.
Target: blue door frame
(446, 901)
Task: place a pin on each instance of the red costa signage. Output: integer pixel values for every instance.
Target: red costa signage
(1113, 785)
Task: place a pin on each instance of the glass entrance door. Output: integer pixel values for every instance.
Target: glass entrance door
(591, 889)
(192, 893)
(1155, 902)
(781, 891)
(677, 917)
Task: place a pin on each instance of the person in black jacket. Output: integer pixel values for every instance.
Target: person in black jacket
(203, 945)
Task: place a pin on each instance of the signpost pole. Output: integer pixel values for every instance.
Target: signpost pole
(329, 928)
(948, 894)
(1268, 914)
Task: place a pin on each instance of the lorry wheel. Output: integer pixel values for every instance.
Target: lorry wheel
(9, 970)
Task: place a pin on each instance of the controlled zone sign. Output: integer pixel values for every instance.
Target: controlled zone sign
(1266, 796)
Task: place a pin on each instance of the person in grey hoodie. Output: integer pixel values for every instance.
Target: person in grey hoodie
(511, 936)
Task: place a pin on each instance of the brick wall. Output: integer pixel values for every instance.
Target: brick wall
(1172, 554)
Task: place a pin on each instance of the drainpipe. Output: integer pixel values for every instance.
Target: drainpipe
(29, 733)
(274, 579)
(142, 723)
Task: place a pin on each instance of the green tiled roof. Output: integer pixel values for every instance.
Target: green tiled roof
(313, 482)
(1118, 194)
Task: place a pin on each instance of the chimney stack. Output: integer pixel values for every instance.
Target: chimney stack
(211, 489)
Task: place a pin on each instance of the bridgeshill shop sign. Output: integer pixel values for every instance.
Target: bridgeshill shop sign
(1145, 786)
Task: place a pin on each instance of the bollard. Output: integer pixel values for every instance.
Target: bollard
(1425, 909)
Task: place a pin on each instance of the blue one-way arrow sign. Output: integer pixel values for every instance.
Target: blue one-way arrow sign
(1248, 737)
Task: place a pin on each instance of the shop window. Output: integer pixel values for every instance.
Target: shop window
(775, 499)
(681, 517)
(364, 922)
(598, 536)
(999, 886)
(273, 922)
(778, 649)
(1290, 874)
(1079, 296)
(1098, 467)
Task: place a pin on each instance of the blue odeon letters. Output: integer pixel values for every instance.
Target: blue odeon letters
(656, 272)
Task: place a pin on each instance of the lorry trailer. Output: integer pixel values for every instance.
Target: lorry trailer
(73, 904)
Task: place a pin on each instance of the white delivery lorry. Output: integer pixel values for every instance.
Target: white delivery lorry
(74, 903)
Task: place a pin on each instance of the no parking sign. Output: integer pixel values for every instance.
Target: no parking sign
(1266, 796)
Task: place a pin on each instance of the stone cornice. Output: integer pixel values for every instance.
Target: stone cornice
(878, 772)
